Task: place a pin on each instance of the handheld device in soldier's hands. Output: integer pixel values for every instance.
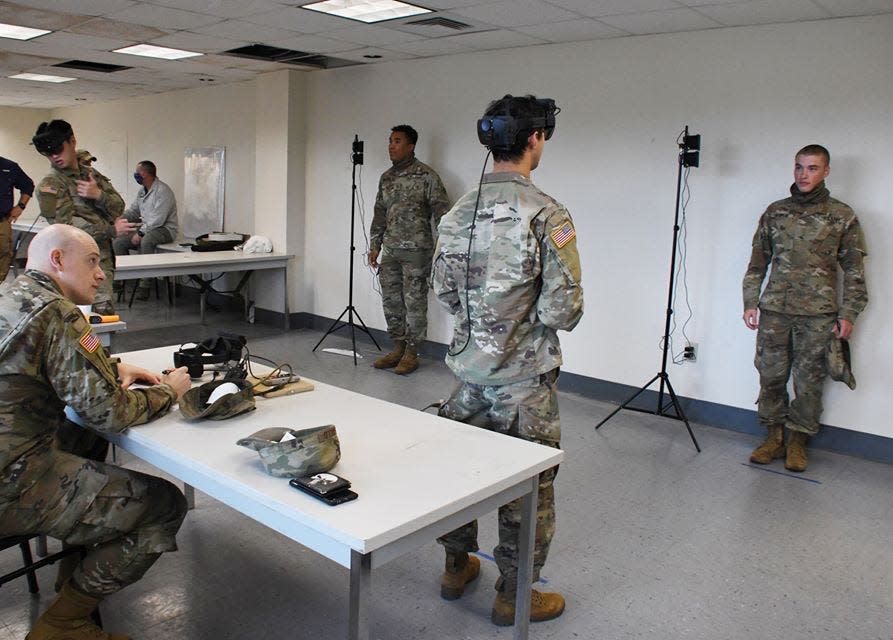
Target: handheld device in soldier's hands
(331, 489)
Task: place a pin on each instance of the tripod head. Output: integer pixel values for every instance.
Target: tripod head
(357, 150)
(690, 149)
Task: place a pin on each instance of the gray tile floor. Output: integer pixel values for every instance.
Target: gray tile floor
(653, 540)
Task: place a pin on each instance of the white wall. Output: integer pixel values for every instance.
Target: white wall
(16, 128)
(755, 94)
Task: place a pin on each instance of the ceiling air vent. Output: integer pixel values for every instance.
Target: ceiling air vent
(287, 56)
(86, 65)
(438, 21)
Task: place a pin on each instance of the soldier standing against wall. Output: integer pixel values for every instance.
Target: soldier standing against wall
(74, 193)
(804, 238)
(511, 288)
(50, 358)
(410, 199)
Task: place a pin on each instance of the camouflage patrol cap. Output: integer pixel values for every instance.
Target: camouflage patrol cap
(311, 451)
(839, 363)
(194, 403)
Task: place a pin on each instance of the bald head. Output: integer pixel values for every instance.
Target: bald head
(70, 257)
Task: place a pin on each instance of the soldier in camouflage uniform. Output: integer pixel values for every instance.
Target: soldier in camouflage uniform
(805, 238)
(50, 358)
(511, 289)
(77, 194)
(410, 199)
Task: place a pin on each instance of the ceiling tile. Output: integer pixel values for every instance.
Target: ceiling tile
(433, 47)
(83, 7)
(516, 13)
(241, 30)
(163, 17)
(573, 30)
(302, 20)
(200, 42)
(386, 55)
(840, 8)
(313, 44)
(102, 28)
(598, 8)
(221, 8)
(76, 41)
(37, 18)
(764, 12)
(661, 21)
(501, 39)
(372, 36)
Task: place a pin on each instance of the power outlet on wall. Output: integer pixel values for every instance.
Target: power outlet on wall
(690, 353)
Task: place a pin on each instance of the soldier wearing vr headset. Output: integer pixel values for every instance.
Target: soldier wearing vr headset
(506, 266)
(52, 477)
(77, 194)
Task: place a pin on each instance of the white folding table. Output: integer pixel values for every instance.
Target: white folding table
(418, 476)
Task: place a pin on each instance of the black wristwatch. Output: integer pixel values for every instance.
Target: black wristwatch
(21, 205)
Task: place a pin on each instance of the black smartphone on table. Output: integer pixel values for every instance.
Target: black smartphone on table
(331, 489)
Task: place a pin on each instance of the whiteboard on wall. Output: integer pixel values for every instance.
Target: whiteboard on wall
(203, 189)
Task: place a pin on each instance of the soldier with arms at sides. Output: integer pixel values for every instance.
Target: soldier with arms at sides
(805, 238)
(506, 267)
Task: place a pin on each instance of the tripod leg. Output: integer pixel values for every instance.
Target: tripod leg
(681, 414)
(626, 402)
(368, 333)
(331, 328)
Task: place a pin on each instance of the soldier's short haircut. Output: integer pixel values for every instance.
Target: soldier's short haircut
(408, 131)
(149, 167)
(517, 107)
(815, 150)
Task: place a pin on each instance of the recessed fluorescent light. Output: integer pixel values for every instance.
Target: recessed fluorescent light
(20, 33)
(151, 51)
(39, 77)
(367, 10)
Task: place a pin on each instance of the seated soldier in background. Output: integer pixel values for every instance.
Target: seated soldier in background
(155, 211)
(50, 358)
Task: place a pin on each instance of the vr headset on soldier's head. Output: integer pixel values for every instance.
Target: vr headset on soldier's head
(216, 352)
(502, 131)
(51, 136)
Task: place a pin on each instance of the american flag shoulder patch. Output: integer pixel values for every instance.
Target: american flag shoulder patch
(563, 234)
(89, 341)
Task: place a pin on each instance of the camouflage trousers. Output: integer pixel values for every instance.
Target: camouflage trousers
(526, 410)
(792, 346)
(124, 519)
(404, 278)
(5, 247)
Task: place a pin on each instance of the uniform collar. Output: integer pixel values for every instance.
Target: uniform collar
(405, 163)
(817, 195)
(44, 279)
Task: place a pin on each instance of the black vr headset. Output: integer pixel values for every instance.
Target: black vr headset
(225, 348)
(502, 131)
(51, 136)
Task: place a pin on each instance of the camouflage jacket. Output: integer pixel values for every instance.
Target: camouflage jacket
(523, 281)
(805, 238)
(59, 202)
(410, 199)
(50, 358)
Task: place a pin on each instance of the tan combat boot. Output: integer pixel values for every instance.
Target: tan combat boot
(460, 569)
(771, 448)
(68, 618)
(796, 458)
(409, 362)
(393, 358)
(543, 606)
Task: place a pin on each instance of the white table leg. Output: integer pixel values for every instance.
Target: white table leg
(360, 594)
(526, 539)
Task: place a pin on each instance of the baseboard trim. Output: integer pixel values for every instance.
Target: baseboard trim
(831, 438)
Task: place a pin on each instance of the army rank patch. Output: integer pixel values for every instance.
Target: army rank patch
(563, 234)
(89, 341)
